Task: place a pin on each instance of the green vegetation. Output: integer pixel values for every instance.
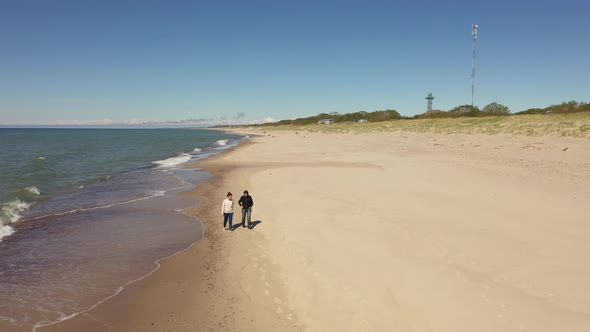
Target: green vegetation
(462, 111)
(349, 117)
(569, 125)
(563, 108)
(493, 109)
(571, 119)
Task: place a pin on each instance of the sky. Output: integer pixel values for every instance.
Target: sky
(214, 62)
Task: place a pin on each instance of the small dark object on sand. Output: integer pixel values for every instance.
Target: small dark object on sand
(565, 149)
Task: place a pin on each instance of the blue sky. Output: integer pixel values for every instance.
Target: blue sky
(107, 62)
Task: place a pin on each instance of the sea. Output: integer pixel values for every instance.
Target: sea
(84, 212)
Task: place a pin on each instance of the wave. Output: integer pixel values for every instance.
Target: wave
(155, 193)
(171, 162)
(158, 193)
(11, 213)
(197, 150)
(5, 231)
(28, 194)
(33, 190)
(40, 158)
(222, 142)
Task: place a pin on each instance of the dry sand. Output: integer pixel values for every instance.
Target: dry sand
(381, 232)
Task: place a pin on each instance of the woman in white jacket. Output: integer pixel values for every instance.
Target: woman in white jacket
(227, 211)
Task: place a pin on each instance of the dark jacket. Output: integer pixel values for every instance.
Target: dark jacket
(246, 202)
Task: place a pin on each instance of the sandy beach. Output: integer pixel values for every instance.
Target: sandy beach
(390, 231)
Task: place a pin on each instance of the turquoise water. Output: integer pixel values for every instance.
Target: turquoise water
(85, 211)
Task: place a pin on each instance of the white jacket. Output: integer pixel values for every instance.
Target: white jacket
(227, 206)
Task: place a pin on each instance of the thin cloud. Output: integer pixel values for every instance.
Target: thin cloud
(261, 121)
(138, 122)
(100, 122)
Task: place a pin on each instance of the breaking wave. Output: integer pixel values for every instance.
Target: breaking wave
(171, 162)
(33, 190)
(222, 142)
(10, 213)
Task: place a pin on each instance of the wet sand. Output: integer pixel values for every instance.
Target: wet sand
(379, 232)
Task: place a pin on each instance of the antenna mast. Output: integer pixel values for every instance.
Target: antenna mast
(474, 35)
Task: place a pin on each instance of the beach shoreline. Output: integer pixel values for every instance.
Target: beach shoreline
(128, 309)
(382, 231)
(76, 246)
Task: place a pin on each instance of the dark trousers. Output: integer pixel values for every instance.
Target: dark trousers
(227, 217)
(246, 213)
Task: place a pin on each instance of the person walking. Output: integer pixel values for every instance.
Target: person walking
(246, 202)
(227, 211)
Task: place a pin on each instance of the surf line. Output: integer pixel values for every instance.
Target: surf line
(158, 194)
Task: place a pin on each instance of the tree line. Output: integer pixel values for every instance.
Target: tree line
(495, 109)
(492, 109)
(348, 117)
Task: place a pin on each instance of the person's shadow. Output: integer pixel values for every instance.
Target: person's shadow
(255, 223)
(252, 225)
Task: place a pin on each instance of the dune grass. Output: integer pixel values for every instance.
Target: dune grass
(563, 125)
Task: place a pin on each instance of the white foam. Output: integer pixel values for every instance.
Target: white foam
(158, 193)
(11, 213)
(245, 137)
(33, 190)
(41, 158)
(13, 209)
(171, 162)
(5, 231)
(222, 142)
(197, 150)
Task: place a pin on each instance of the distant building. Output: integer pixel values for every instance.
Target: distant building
(362, 120)
(326, 121)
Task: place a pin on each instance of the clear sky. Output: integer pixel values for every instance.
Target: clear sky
(82, 61)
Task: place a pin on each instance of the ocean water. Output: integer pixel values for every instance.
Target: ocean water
(85, 211)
